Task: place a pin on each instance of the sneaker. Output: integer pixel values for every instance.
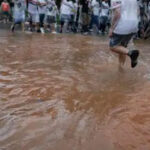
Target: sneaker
(42, 30)
(133, 54)
(85, 33)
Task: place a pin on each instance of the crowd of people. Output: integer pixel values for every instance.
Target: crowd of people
(71, 16)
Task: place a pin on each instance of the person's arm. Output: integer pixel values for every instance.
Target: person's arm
(115, 18)
(34, 2)
(43, 3)
(116, 13)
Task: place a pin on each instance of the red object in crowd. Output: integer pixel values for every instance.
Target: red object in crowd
(5, 6)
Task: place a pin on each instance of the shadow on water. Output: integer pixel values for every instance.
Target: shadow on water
(65, 92)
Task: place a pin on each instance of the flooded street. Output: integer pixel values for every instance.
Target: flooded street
(64, 92)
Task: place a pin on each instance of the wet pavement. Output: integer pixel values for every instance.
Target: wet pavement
(65, 92)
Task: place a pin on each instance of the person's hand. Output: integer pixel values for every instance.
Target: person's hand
(110, 32)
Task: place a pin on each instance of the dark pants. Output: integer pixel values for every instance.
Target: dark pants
(72, 24)
(103, 23)
(85, 19)
(94, 20)
(42, 16)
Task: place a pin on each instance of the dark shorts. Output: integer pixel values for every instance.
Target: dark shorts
(65, 18)
(120, 40)
(6, 13)
(50, 19)
(103, 20)
(18, 21)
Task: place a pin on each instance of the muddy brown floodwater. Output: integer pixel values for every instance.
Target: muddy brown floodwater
(64, 92)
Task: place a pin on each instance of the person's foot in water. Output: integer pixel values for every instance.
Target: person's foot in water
(133, 54)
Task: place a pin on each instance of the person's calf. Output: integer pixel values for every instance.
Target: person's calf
(119, 50)
(122, 59)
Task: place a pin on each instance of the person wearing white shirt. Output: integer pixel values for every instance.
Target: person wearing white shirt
(76, 16)
(42, 11)
(73, 16)
(95, 14)
(51, 12)
(124, 25)
(65, 11)
(33, 11)
(19, 14)
(104, 16)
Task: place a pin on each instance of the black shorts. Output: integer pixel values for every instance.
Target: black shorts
(50, 19)
(6, 13)
(120, 40)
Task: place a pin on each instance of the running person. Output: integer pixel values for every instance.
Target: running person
(124, 26)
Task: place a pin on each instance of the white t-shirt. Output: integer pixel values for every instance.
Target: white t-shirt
(19, 9)
(66, 7)
(32, 7)
(19, 6)
(128, 22)
(51, 8)
(104, 9)
(72, 8)
(96, 7)
(42, 8)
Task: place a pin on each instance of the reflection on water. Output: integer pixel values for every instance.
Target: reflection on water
(64, 92)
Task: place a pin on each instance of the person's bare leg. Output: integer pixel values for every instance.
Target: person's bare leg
(122, 52)
(119, 50)
(22, 24)
(133, 54)
(53, 28)
(122, 59)
(37, 26)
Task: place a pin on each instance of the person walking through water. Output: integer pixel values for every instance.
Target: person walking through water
(124, 26)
